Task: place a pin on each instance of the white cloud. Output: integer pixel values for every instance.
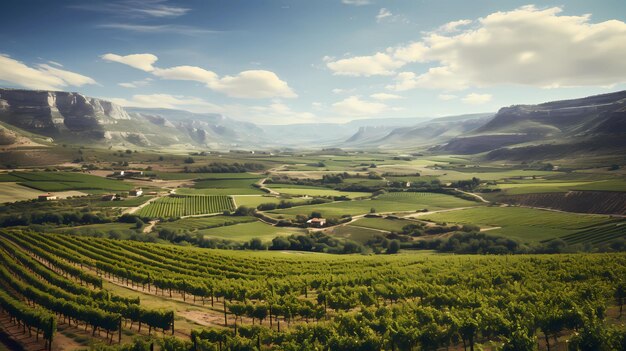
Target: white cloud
(404, 81)
(143, 62)
(525, 46)
(253, 84)
(192, 73)
(43, 77)
(353, 106)
(453, 26)
(446, 97)
(377, 64)
(476, 99)
(385, 96)
(356, 2)
(382, 14)
(70, 78)
(136, 83)
(157, 28)
(134, 8)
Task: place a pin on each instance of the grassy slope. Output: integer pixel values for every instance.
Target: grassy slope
(521, 223)
(247, 231)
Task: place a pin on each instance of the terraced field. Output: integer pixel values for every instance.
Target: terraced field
(63, 181)
(181, 205)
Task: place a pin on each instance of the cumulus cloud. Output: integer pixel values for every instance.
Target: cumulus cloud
(255, 84)
(385, 96)
(454, 26)
(525, 46)
(353, 106)
(143, 62)
(42, 76)
(476, 99)
(191, 73)
(378, 64)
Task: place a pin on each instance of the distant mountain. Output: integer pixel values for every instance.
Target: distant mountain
(428, 132)
(550, 129)
(331, 134)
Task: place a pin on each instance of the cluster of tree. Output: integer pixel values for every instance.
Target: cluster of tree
(470, 184)
(58, 218)
(220, 167)
(316, 242)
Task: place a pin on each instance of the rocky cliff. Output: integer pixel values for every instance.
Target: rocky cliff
(55, 114)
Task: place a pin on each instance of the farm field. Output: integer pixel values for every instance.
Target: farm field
(521, 223)
(196, 223)
(184, 288)
(354, 233)
(247, 231)
(392, 225)
(255, 200)
(64, 181)
(181, 205)
(10, 192)
(223, 186)
(311, 191)
(391, 202)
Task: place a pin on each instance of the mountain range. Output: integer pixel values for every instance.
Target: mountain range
(590, 124)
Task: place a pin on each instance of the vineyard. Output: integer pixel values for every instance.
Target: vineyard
(43, 286)
(282, 301)
(182, 205)
(597, 235)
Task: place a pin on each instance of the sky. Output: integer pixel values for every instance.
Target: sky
(283, 62)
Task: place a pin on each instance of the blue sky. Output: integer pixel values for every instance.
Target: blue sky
(277, 62)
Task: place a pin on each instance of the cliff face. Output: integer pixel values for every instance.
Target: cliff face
(54, 113)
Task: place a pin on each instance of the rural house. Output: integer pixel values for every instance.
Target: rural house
(136, 192)
(46, 197)
(316, 222)
(108, 197)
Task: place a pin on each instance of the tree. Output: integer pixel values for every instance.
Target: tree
(257, 244)
(394, 246)
(189, 160)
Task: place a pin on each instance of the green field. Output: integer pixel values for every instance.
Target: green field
(526, 224)
(256, 200)
(224, 186)
(179, 205)
(247, 231)
(312, 191)
(597, 235)
(196, 223)
(391, 202)
(391, 225)
(63, 181)
(127, 202)
(184, 176)
(358, 234)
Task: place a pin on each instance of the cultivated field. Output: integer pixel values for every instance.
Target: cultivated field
(181, 205)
